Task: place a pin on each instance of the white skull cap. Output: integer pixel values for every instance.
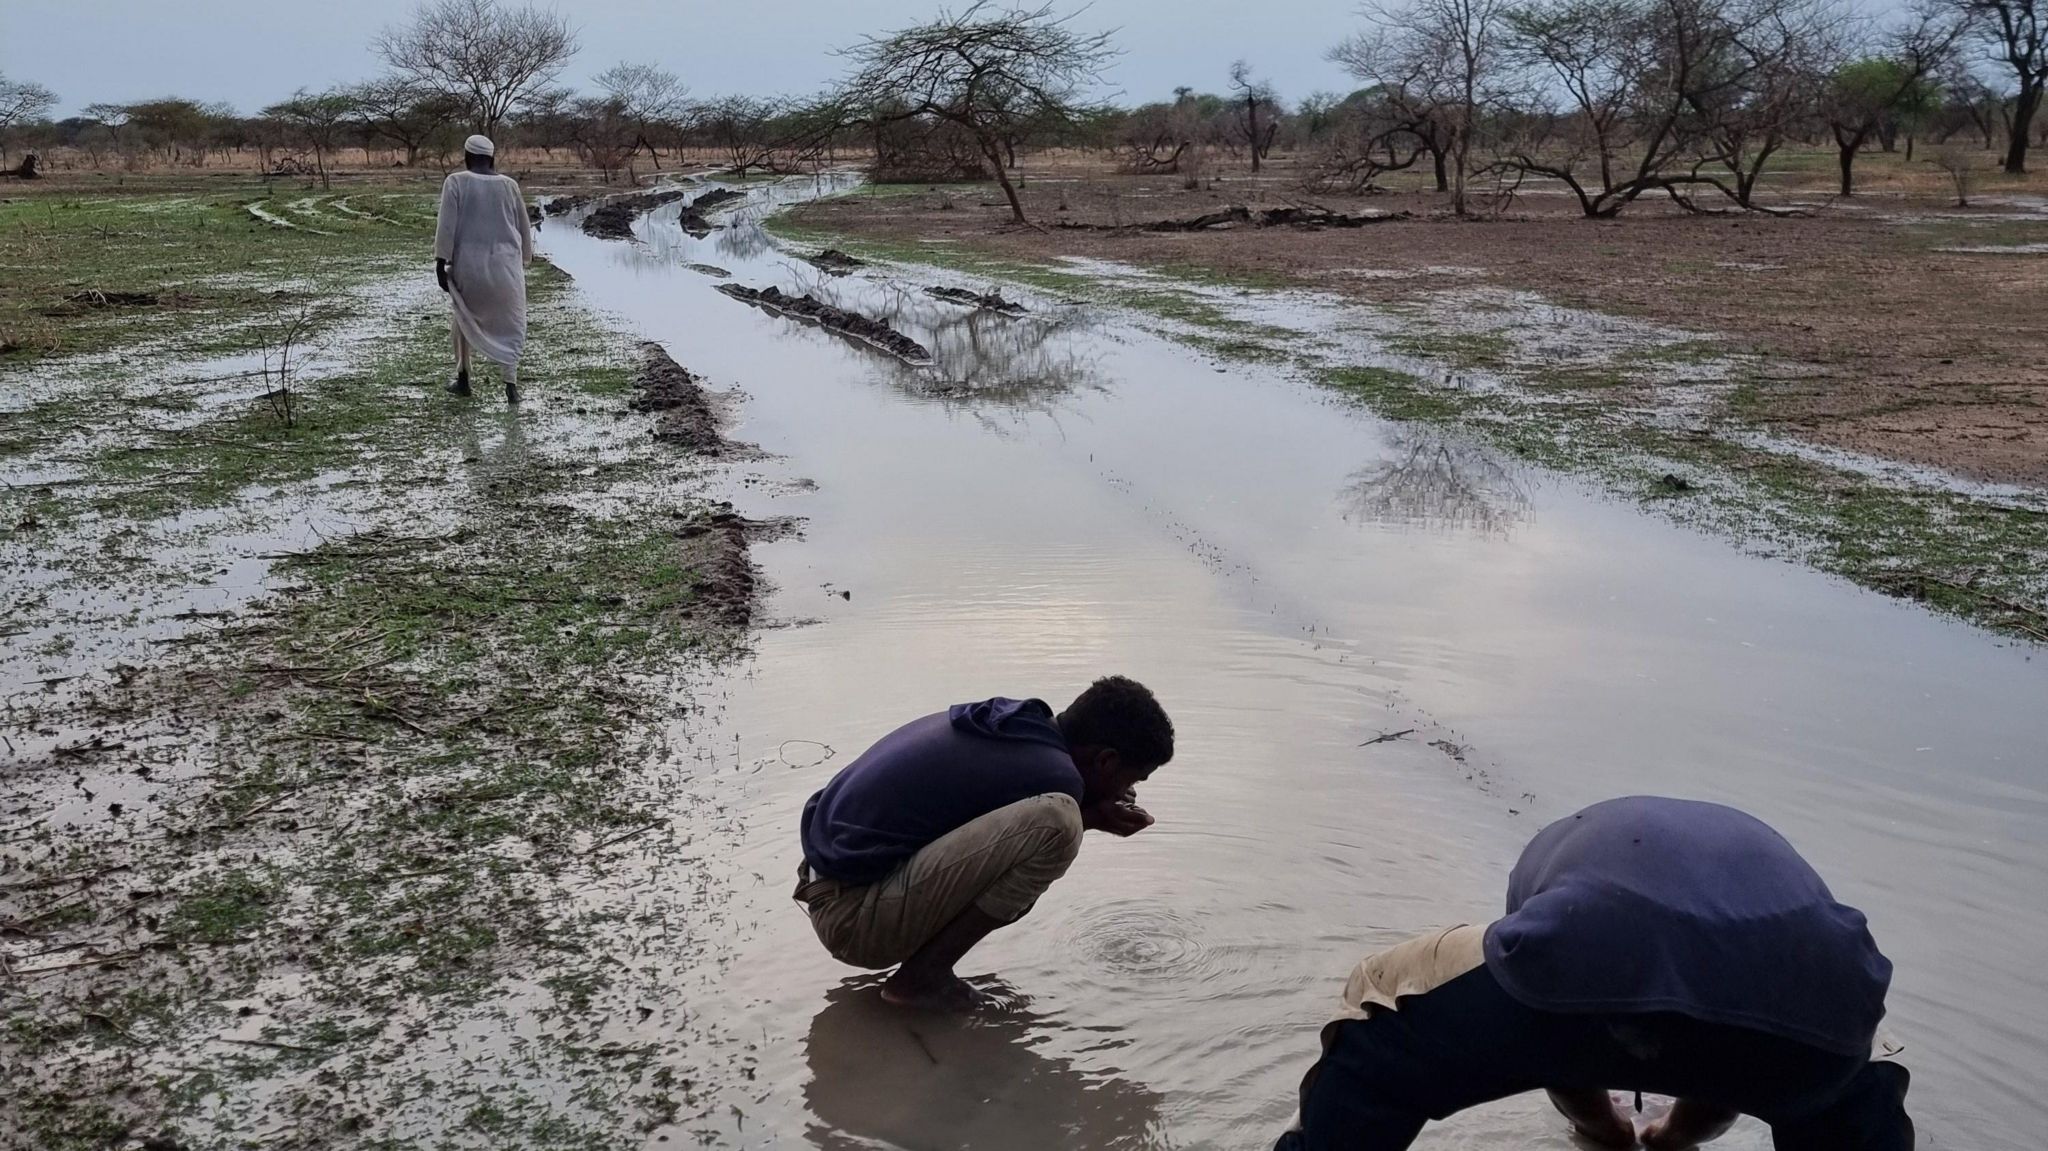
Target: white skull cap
(480, 146)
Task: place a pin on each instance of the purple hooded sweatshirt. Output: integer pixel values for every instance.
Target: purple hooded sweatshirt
(929, 777)
(1646, 904)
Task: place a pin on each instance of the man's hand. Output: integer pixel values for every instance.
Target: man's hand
(441, 273)
(1117, 815)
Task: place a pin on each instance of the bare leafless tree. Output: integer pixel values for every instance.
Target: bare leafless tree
(651, 98)
(319, 119)
(741, 128)
(1446, 56)
(988, 71)
(489, 55)
(1400, 115)
(21, 101)
(404, 112)
(1255, 94)
(1956, 162)
(1659, 91)
(1764, 89)
(608, 138)
(2014, 34)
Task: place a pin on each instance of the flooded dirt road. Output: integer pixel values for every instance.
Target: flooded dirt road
(1064, 495)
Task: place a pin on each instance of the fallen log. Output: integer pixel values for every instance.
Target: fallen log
(1234, 214)
(852, 325)
(1312, 217)
(1308, 217)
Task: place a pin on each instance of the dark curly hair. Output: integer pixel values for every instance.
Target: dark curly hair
(1120, 713)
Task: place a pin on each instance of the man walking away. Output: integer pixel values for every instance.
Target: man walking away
(482, 244)
(953, 825)
(1650, 945)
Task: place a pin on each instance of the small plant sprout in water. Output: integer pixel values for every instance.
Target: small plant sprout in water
(278, 363)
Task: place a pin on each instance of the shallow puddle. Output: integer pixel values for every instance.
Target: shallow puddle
(1065, 495)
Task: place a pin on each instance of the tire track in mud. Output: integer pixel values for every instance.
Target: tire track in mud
(257, 210)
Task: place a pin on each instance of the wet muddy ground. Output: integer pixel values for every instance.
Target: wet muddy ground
(1068, 492)
(1392, 652)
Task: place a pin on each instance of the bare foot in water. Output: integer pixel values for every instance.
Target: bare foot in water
(945, 993)
(1596, 1117)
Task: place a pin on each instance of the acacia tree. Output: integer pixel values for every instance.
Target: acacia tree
(1445, 56)
(1401, 105)
(21, 101)
(1871, 95)
(2014, 33)
(649, 98)
(992, 73)
(606, 134)
(741, 128)
(489, 56)
(404, 112)
(1255, 93)
(1659, 89)
(320, 119)
(1762, 90)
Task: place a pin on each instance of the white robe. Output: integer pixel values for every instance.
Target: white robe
(484, 235)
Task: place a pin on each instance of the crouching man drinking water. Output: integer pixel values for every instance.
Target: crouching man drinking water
(953, 825)
(1655, 945)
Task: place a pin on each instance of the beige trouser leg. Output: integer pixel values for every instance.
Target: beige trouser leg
(461, 346)
(1000, 863)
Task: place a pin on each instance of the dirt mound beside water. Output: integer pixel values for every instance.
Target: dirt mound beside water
(684, 413)
(991, 301)
(853, 325)
(613, 219)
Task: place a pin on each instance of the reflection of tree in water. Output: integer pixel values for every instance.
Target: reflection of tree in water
(1428, 477)
(919, 1079)
(742, 238)
(981, 360)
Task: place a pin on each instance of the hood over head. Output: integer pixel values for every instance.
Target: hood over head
(1029, 720)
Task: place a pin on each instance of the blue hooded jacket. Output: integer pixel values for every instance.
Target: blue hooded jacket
(1646, 904)
(929, 777)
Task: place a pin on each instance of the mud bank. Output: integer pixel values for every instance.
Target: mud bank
(989, 301)
(613, 219)
(834, 261)
(683, 414)
(811, 310)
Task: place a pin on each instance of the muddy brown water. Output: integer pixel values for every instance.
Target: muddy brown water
(1066, 494)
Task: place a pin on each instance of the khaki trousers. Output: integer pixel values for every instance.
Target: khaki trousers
(1000, 863)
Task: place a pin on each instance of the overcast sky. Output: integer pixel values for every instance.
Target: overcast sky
(252, 52)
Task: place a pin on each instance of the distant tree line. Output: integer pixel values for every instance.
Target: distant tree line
(1615, 100)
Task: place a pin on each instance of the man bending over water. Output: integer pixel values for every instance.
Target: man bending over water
(953, 825)
(1655, 945)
